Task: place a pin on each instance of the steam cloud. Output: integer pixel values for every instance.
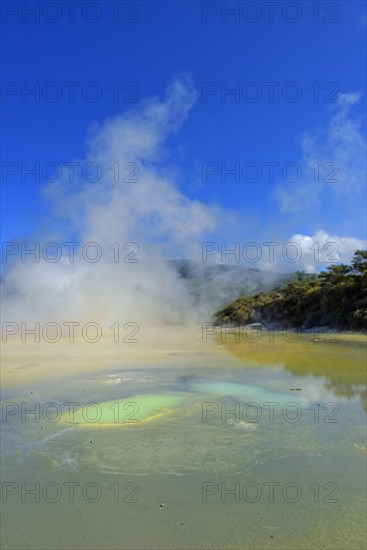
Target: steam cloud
(151, 212)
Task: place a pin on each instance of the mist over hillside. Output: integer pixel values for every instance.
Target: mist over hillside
(215, 285)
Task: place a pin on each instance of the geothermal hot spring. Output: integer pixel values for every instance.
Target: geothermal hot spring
(184, 440)
(164, 437)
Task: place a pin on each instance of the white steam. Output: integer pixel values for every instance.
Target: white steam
(150, 212)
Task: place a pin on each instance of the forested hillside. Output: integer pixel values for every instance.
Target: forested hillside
(336, 298)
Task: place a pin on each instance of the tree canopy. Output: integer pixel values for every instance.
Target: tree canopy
(335, 298)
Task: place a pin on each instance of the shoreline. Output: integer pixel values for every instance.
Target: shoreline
(278, 328)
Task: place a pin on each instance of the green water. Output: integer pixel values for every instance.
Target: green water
(184, 453)
(129, 411)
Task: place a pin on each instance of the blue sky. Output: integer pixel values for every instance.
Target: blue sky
(170, 39)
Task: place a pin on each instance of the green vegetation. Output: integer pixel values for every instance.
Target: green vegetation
(335, 298)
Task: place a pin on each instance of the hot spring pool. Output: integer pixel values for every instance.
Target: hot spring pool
(187, 446)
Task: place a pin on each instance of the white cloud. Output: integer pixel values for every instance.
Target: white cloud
(312, 253)
(337, 155)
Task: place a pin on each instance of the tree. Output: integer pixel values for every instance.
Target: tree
(359, 262)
